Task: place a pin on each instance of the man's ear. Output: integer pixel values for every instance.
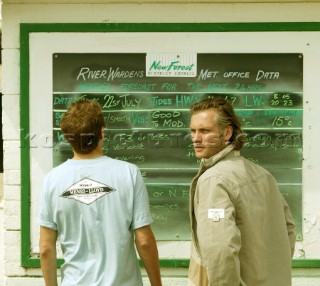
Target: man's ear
(228, 133)
(102, 133)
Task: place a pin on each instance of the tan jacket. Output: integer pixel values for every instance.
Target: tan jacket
(242, 228)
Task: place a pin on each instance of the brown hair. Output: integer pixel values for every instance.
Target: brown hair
(81, 125)
(226, 117)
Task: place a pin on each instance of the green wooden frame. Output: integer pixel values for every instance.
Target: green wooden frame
(26, 28)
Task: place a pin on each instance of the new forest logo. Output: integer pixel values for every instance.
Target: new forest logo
(171, 65)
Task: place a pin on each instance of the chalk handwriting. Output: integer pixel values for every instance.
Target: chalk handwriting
(86, 73)
(138, 86)
(205, 74)
(233, 74)
(158, 101)
(267, 75)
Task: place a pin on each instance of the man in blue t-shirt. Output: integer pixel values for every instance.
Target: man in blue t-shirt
(98, 209)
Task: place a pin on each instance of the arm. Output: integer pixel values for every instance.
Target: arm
(291, 227)
(48, 255)
(219, 240)
(148, 252)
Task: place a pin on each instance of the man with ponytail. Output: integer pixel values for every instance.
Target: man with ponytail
(242, 228)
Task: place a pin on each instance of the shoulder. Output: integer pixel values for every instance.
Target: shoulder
(122, 164)
(235, 171)
(122, 167)
(58, 170)
(55, 176)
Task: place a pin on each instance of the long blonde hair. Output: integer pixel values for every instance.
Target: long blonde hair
(226, 117)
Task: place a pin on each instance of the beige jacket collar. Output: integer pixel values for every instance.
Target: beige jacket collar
(209, 162)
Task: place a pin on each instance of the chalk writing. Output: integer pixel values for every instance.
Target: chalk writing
(166, 86)
(248, 87)
(279, 121)
(282, 100)
(193, 86)
(267, 75)
(218, 86)
(110, 101)
(147, 117)
(274, 141)
(205, 74)
(131, 158)
(158, 101)
(254, 100)
(119, 147)
(185, 100)
(87, 73)
(138, 86)
(116, 119)
(236, 74)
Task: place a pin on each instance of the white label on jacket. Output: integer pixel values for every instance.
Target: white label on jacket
(216, 214)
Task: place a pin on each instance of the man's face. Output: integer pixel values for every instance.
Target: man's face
(207, 138)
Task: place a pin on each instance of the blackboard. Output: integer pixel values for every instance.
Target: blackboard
(147, 119)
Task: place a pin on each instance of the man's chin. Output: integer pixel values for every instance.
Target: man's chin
(199, 155)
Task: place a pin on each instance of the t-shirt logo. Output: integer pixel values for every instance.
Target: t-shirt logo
(87, 191)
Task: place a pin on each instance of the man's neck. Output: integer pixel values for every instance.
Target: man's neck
(92, 155)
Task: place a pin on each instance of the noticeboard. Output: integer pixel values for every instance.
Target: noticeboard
(146, 100)
(268, 72)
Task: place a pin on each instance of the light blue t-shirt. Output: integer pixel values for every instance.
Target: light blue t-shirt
(95, 205)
